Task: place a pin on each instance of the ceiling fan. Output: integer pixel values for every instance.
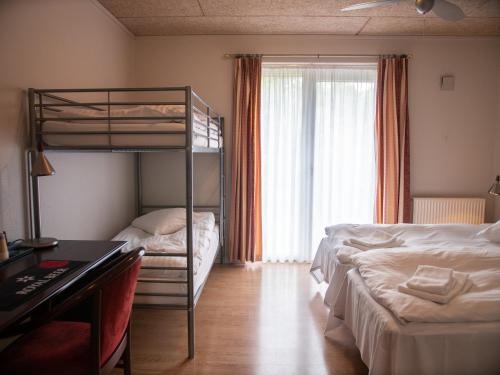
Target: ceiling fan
(442, 8)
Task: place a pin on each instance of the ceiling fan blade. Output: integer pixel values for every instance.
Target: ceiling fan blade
(369, 5)
(482, 3)
(448, 11)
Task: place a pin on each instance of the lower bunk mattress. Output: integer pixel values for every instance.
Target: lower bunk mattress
(157, 281)
(389, 347)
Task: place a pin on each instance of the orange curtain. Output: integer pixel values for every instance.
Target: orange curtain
(245, 236)
(392, 141)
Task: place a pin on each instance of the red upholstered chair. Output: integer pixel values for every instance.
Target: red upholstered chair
(74, 348)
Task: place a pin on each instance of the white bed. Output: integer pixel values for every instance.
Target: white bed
(391, 345)
(327, 267)
(206, 244)
(61, 127)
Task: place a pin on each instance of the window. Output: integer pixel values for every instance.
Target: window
(318, 157)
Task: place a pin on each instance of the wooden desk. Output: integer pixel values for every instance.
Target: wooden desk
(96, 253)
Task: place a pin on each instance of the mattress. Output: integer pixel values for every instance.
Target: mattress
(388, 347)
(326, 266)
(206, 244)
(200, 137)
(203, 135)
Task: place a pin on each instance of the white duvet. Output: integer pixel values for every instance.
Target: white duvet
(331, 265)
(383, 269)
(200, 136)
(326, 261)
(171, 243)
(443, 235)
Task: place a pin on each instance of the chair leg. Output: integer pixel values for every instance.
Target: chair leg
(95, 336)
(191, 333)
(127, 370)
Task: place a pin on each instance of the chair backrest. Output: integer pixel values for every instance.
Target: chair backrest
(116, 304)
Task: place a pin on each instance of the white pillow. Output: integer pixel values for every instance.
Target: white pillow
(165, 221)
(491, 233)
(171, 220)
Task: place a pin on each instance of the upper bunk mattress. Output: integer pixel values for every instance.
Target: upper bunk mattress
(67, 136)
(72, 124)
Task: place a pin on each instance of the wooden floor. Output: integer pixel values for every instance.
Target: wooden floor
(260, 319)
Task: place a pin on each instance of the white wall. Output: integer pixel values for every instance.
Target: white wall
(62, 44)
(452, 133)
(164, 179)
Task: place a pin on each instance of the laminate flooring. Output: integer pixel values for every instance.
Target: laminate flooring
(259, 319)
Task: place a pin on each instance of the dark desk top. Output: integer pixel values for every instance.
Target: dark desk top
(93, 252)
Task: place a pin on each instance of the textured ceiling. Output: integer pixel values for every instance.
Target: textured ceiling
(191, 17)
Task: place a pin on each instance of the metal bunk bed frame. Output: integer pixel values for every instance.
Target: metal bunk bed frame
(37, 106)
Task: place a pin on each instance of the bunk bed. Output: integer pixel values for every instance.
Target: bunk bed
(140, 120)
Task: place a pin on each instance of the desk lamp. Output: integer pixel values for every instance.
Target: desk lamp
(40, 167)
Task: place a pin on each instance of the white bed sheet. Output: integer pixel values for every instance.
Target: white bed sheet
(206, 244)
(388, 347)
(199, 278)
(199, 134)
(154, 112)
(327, 267)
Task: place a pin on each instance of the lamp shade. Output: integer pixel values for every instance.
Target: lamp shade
(495, 188)
(42, 166)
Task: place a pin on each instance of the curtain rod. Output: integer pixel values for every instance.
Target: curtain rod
(316, 55)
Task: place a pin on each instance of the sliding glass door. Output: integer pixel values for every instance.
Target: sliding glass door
(318, 158)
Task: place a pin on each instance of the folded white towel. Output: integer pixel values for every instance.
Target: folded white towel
(344, 254)
(462, 285)
(365, 245)
(431, 279)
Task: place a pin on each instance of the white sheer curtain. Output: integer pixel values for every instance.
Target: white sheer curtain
(318, 158)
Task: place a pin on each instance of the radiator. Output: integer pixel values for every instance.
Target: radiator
(448, 210)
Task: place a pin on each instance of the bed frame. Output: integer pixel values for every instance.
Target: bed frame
(54, 100)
